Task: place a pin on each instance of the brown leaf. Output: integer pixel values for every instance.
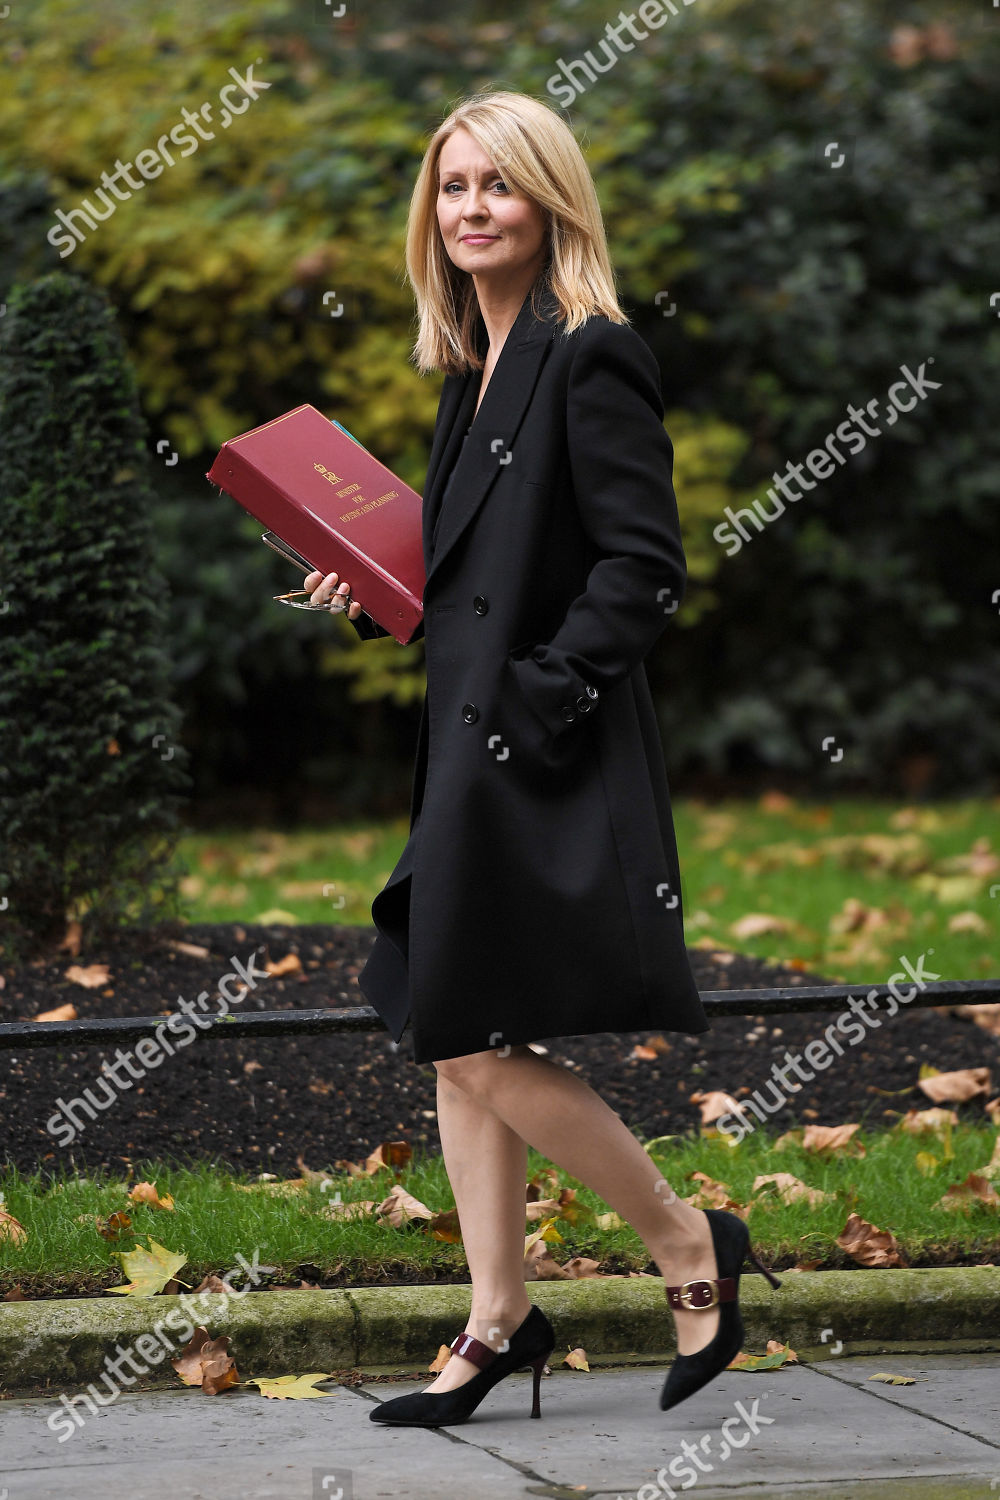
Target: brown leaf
(867, 1245)
(205, 1362)
(581, 1268)
(390, 1155)
(918, 1121)
(91, 977)
(757, 924)
(540, 1266)
(145, 1192)
(440, 1359)
(642, 1054)
(714, 1104)
(400, 1208)
(832, 1138)
(576, 1359)
(14, 1295)
(446, 1226)
(359, 1208)
(60, 1013)
(986, 1016)
(790, 1188)
(114, 1226)
(290, 964)
(10, 1229)
(962, 1194)
(211, 1283)
(956, 1086)
(541, 1208)
(545, 1180)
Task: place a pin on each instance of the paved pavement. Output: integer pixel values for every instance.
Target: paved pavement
(811, 1430)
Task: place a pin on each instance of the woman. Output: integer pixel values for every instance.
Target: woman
(539, 892)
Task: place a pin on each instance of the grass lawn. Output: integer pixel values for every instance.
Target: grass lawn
(841, 888)
(895, 1185)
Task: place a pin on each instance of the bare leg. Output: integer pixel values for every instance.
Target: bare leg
(561, 1116)
(487, 1164)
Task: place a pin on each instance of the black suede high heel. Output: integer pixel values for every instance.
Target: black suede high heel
(689, 1372)
(530, 1344)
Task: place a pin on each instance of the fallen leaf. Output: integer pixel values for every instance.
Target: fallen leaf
(61, 1013)
(962, 1194)
(211, 1283)
(917, 1121)
(714, 1104)
(967, 921)
(10, 1229)
(832, 1138)
(390, 1155)
(867, 1245)
(986, 1016)
(576, 1359)
(957, 1086)
(790, 1188)
(894, 1379)
(91, 977)
(359, 1208)
(440, 1359)
(14, 1295)
(290, 964)
(291, 1387)
(206, 1362)
(400, 1207)
(757, 924)
(150, 1269)
(113, 1227)
(776, 1356)
(446, 1226)
(145, 1192)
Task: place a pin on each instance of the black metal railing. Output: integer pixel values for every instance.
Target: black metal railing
(789, 1000)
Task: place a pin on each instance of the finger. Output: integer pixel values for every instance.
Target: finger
(311, 579)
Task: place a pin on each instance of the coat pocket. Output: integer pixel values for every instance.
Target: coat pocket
(533, 746)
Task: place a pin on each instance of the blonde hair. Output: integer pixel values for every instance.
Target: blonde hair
(537, 154)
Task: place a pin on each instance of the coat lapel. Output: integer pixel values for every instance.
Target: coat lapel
(499, 417)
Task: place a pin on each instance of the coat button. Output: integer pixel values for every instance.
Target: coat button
(470, 713)
(480, 604)
(584, 704)
(591, 691)
(568, 712)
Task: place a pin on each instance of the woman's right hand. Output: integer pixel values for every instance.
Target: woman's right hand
(320, 589)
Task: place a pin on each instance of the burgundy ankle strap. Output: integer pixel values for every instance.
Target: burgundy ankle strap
(703, 1291)
(471, 1349)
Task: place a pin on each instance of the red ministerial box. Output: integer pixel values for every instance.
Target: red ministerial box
(320, 491)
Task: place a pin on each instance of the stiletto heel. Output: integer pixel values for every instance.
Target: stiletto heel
(764, 1270)
(537, 1365)
(530, 1344)
(689, 1372)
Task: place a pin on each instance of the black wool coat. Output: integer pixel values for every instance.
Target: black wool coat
(539, 894)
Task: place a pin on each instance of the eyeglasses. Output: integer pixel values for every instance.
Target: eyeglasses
(335, 605)
(300, 598)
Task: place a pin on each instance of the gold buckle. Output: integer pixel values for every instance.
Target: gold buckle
(685, 1295)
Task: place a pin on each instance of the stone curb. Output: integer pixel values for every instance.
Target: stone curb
(63, 1345)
